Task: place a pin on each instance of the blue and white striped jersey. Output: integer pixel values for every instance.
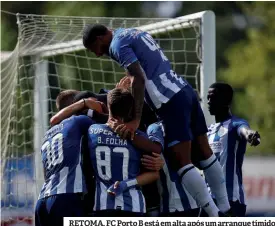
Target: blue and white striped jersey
(174, 196)
(114, 159)
(61, 157)
(225, 141)
(161, 82)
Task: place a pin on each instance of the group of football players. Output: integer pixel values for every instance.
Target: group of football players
(112, 149)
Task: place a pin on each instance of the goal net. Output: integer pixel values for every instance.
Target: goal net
(49, 57)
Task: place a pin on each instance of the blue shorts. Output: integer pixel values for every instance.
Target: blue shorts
(182, 117)
(238, 209)
(51, 210)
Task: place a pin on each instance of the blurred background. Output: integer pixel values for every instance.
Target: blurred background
(245, 56)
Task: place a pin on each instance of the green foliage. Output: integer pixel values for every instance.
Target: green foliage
(251, 72)
(76, 8)
(8, 36)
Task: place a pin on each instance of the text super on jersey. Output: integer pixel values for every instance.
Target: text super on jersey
(114, 159)
(61, 157)
(161, 82)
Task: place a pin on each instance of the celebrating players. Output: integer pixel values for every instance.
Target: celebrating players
(117, 163)
(227, 138)
(172, 99)
(62, 193)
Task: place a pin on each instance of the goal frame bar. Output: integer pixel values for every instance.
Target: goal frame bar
(207, 69)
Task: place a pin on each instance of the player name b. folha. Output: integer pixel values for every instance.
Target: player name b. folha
(107, 138)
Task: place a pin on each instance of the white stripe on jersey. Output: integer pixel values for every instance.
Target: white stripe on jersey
(103, 196)
(135, 202)
(178, 78)
(78, 183)
(144, 203)
(95, 196)
(157, 98)
(119, 202)
(61, 187)
(48, 188)
(168, 84)
(211, 138)
(236, 193)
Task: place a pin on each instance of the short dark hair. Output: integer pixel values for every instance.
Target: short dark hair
(225, 90)
(65, 98)
(121, 104)
(91, 32)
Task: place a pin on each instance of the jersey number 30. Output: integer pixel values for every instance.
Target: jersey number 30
(54, 151)
(105, 162)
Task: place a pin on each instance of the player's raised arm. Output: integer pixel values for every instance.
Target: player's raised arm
(74, 108)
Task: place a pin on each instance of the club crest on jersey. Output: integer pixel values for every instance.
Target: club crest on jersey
(222, 131)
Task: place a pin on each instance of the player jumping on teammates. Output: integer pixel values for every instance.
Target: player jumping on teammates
(227, 138)
(64, 187)
(116, 163)
(172, 99)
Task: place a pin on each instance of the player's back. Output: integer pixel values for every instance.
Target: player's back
(162, 83)
(61, 157)
(226, 143)
(114, 159)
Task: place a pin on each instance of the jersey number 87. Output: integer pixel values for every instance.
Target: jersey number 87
(105, 162)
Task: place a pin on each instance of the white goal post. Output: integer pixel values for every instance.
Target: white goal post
(50, 57)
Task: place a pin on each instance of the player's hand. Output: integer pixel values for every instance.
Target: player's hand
(121, 186)
(127, 129)
(124, 83)
(93, 104)
(154, 162)
(113, 123)
(117, 188)
(253, 137)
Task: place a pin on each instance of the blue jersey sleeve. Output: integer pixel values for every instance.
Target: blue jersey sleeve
(240, 123)
(155, 133)
(122, 51)
(84, 122)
